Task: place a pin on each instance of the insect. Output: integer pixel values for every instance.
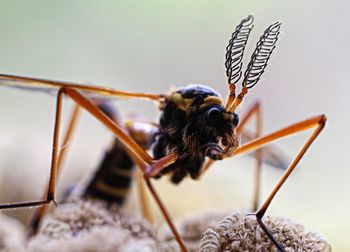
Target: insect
(195, 129)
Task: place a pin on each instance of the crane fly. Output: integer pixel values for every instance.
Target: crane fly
(196, 127)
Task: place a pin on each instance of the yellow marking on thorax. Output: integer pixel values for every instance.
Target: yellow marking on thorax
(182, 103)
(186, 103)
(211, 100)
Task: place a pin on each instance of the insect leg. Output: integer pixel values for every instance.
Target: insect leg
(148, 166)
(51, 188)
(149, 171)
(73, 120)
(132, 147)
(254, 110)
(140, 156)
(152, 170)
(317, 122)
(144, 203)
(40, 212)
(111, 181)
(143, 133)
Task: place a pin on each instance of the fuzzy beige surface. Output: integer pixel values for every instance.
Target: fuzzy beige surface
(190, 228)
(239, 232)
(12, 234)
(89, 226)
(214, 231)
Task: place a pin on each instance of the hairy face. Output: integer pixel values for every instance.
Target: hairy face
(194, 124)
(211, 130)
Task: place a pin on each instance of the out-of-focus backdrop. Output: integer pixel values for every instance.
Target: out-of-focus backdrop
(150, 46)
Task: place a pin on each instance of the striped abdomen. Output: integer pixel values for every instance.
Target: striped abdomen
(113, 177)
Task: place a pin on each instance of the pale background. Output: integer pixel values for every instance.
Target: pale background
(152, 45)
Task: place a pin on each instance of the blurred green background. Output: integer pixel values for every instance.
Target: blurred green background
(150, 46)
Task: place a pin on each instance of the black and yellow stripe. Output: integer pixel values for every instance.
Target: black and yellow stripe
(113, 177)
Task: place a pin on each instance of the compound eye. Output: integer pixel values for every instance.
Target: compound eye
(235, 119)
(214, 116)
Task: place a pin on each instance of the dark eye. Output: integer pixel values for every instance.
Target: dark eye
(235, 119)
(214, 116)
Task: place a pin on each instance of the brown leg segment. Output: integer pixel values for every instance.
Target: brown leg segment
(143, 199)
(318, 122)
(40, 212)
(166, 215)
(139, 155)
(147, 172)
(53, 172)
(254, 110)
(137, 151)
(152, 170)
(148, 166)
(73, 120)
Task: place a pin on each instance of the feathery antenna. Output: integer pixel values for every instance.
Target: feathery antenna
(235, 49)
(261, 55)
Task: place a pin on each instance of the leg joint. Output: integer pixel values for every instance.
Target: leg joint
(323, 119)
(50, 197)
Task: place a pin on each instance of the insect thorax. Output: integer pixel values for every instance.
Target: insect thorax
(184, 130)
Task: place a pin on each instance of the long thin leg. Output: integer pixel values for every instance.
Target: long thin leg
(73, 120)
(140, 156)
(148, 166)
(255, 110)
(166, 215)
(148, 172)
(143, 199)
(318, 122)
(143, 160)
(151, 171)
(53, 172)
(138, 152)
(40, 212)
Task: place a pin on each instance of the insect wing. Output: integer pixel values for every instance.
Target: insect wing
(270, 155)
(46, 85)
